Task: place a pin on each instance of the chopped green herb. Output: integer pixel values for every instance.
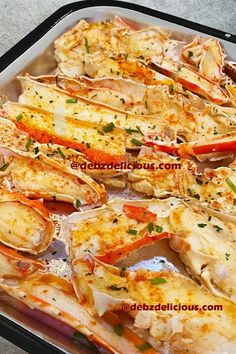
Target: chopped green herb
(78, 203)
(122, 271)
(61, 152)
(231, 184)
(117, 288)
(94, 96)
(144, 346)
(199, 181)
(193, 194)
(132, 232)
(19, 117)
(27, 145)
(36, 150)
(157, 281)
(150, 227)
(139, 130)
(227, 255)
(202, 225)
(86, 45)
(100, 132)
(109, 127)
(146, 105)
(122, 100)
(218, 229)
(171, 89)
(136, 142)
(90, 344)
(119, 329)
(4, 167)
(209, 219)
(159, 229)
(71, 100)
(190, 54)
(130, 131)
(88, 145)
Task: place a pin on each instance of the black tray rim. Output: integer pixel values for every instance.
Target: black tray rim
(24, 44)
(11, 331)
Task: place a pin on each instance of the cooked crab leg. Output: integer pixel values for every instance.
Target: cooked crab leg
(206, 244)
(21, 142)
(98, 144)
(42, 177)
(24, 224)
(106, 289)
(164, 125)
(135, 126)
(118, 228)
(164, 175)
(55, 297)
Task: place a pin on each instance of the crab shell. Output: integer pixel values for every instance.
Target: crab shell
(104, 289)
(205, 241)
(49, 179)
(118, 228)
(70, 132)
(89, 111)
(32, 230)
(207, 56)
(212, 188)
(27, 283)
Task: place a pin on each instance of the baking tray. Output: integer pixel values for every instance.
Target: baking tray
(33, 54)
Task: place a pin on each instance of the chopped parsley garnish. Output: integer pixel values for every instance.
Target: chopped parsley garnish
(19, 117)
(130, 131)
(78, 203)
(100, 132)
(88, 145)
(4, 167)
(157, 281)
(218, 229)
(36, 150)
(94, 96)
(132, 232)
(144, 346)
(139, 130)
(159, 229)
(193, 194)
(60, 152)
(122, 100)
(136, 142)
(202, 225)
(227, 255)
(119, 329)
(231, 184)
(122, 271)
(86, 45)
(90, 344)
(150, 227)
(190, 54)
(199, 181)
(109, 127)
(27, 145)
(71, 100)
(171, 89)
(117, 288)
